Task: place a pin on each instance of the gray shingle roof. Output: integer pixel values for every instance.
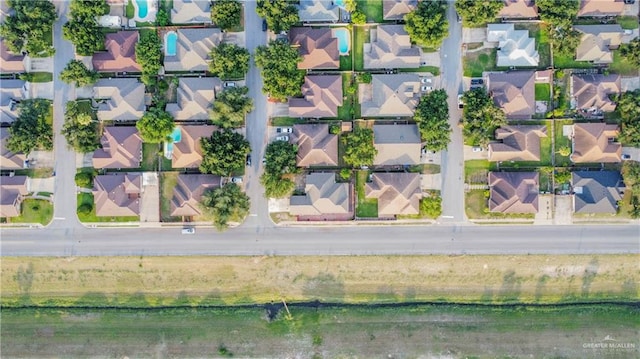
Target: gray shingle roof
(596, 191)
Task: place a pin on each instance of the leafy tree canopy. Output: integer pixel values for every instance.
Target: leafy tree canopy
(275, 186)
(231, 106)
(631, 51)
(280, 14)
(88, 8)
(31, 130)
(631, 174)
(629, 108)
(558, 12)
(80, 128)
(358, 17)
(148, 55)
(278, 64)
(280, 158)
(431, 206)
(350, 5)
(223, 153)
(432, 117)
(226, 13)
(30, 28)
(359, 149)
(229, 61)
(225, 204)
(155, 126)
(76, 72)
(480, 117)
(427, 25)
(476, 13)
(82, 28)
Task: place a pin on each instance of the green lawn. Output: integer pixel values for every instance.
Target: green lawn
(540, 34)
(623, 67)
(432, 69)
(543, 92)
(346, 112)
(475, 171)
(346, 62)
(568, 62)
(561, 141)
(87, 199)
(545, 147)
(371, 8)
(168, 181)
(477, 207)
(285, 121)
(365, 207)
(150, 156)
(545, 180)
(34, 211)
(474, 64)
(38, 77)
(360, 36)
(628, 22)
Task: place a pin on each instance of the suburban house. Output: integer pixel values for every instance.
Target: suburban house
(13, 189)
(519, 9)
(518, 143)
(121, 148)
(119, 99)
(396, 145)
(317, 47)
(515, 47)
(195, 97)
(188, 192)
(513, 192)
(596, 191)
(187, 152)
(397, 9)
(594, 143)
(191, 12)
(192, 49)
(11, 93)
(8, 159)
(591, 92)
(513, 92)
(120, 55)
(117, 194)
(324, 199)
(10, 62)
(600, 8)
(318, 11)
(316, 146)
(322, 95)
(397, 193)
(390, 95)
(391, 48)
(597, 41)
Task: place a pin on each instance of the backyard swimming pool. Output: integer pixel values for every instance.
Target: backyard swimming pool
(170, 41)
(343, 40)
(339, 3)
(176, 137)
(143, 8)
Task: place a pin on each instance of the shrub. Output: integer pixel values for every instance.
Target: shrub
(84, 179)
(334, 129)
(85, 208)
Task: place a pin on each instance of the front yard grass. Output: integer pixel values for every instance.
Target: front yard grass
(168, 181)
(627, 22)
(561, 141)
(474, 64)
(371, 8)
(360, 36)
(476, 171)
(477, 207)
(569, 62)
(91, 217)
(365, 207)
(149, 157)
(346, 62)
(432, 69)
(285, 121)
(34, 211)
(543, 92)
(622, 66)
(39, 77)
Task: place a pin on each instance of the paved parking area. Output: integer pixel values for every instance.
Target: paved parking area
(430, 59)
(470, 155)
(431, 158)
(279, 205)
(42, 159)
(41, 184)
(564, 210)
(633, 152)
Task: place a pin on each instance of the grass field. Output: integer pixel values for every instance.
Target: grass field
(327, 332)
(150, 156)
(474, 64)
(168, 181)
(543, 92)
(350, 101)
(34, 211)
(628, 22)
(622, 66)
(364, 207)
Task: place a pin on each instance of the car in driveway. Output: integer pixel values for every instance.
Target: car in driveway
(460, 101)
(477, 81)
(625, 156)
(284, 129)
(282, 138)
(477, 149)
(236, 180)
(248, 160)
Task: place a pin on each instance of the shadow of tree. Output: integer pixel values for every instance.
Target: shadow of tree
(324, 287)
(510, 290)
(589, 275)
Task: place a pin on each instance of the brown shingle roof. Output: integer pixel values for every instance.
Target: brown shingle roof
(12, 190)
(397, 9)
(120, 55)
(397, 193)
(593, 142)
(195, 98)
(392, 96)
(316, 146)
(514, 92)
(323, 196)
(318, 47)
(322, 97)
(597, 41)
(187, 153)
(396, 145)
(519, 143)
(392, 48)
(121, 148)
(188, 192)
(121, 99)
(591, 92)
(8, 159)
(117, 194)
(594, 8)
(519, 9)
(513, 192)
(192, 49)
(11, 92)
(10, 62)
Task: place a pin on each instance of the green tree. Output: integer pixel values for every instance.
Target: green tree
(162, 17)
(80, 128)
(77, 73)
(629, 109)
(358, 17)
(226, 13)
(30, 27)
(84, 179)
(359, 149)
(278, 65)
(148, 55)
(350, 5)
(223, 153)
(231, 107)
(280, 158)
(631, 51)
(476, 13)
(558, 12)
(631, 175)
(225, 204)
(564, 151)
(275, 186)
(82, 29)
(564, 40)
(432, 117)
(280, 14)
(480, 117)
(431, 206)
(155, 126)
(31, 130)
(427, 25)
(229, 61)
(88, 8)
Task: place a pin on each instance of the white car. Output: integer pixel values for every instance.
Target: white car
(282, 138)
(284, 129)
(477, 149)
(237, 180)
(229, 84)
(190, 230)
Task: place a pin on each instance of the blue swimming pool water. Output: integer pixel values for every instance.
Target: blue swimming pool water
(339, 3)
(176, 135)
(343, 40)
(143, 8)
(170, 41)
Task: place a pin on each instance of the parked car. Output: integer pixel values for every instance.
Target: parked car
(477, 149)
(477, 81)
(426, 88)
(189, 230)
(229, 84)
(460, 101)
(626, 157)
(264, 160)
(248, 160)
(282, 138)
(284, 130)
(264, 25)
(237, 180)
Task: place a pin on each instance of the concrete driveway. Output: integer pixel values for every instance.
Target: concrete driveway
(473, 35)
(40, 90)
(470, 155)
(633, 152)
(431, 182)
(41, 184)
(430, 59)
(150, 199)
(42, 159)
(545, 210)
(564, 210)
(629, 83)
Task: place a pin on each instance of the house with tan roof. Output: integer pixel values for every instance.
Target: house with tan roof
(513, 92)
(317, 47)
(600, 8)
(191, 12)
(322, 95)
(13, 189)
(597, 42)
(8, 159)
(11, 93)
(10, 63)
(518, 143)
(120, 55)
(324, 199)
(195, 98)
(518, 9)
(316, 146)
(390, 95)
(591, 92)
(594, 142)
(119, 99)
(193, 47)
(318, 11)
(397, 9)
(188, 192)
(396, 145)
(117, 194)
(513, 192)
(397, 193)
(121, 147)
(391, 48)
(596, 191)
(515, 47)
(187, 153)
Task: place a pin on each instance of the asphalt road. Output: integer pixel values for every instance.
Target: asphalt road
(361, 240)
